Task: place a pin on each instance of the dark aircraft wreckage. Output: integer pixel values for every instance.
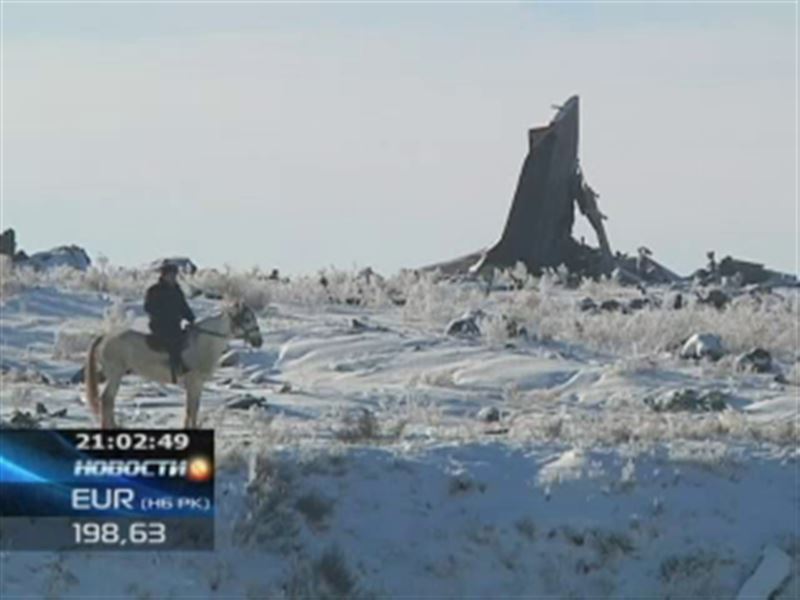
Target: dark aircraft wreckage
(538, 231)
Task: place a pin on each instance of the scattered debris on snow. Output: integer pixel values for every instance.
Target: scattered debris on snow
(231, 358)
(467, 325)
(716, 298)
(757, 360)
(246, 402)
(703, 345)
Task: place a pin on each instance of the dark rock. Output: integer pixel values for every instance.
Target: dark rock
(638, 303)
(397, 300)
(611, 306)
(246, 402)
(688, 400)
(489, 414)
(513, 328)
(41, 409)
(358, 326)
(23, 420)
(755, 361)
(587, 304)
(466, 326)
(77, 377)
(677, 302)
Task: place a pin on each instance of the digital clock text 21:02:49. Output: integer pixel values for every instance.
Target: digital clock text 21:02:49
(136, 441)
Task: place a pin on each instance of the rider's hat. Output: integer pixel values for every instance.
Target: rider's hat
(167, 267)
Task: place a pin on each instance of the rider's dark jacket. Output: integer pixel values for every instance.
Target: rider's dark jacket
(167, 306)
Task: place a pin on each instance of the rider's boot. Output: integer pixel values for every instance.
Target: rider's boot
(177, 367)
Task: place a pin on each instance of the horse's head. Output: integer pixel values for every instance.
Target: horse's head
(244, 324)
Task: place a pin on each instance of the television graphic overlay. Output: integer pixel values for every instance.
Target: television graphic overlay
(91, 489)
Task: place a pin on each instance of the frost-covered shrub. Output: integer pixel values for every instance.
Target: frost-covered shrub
(72, 344)
(127, 283)
(267, 521)
(436, 301)
(315, 507)
(116, 318)
(742, 326)
(358, 426)
(328, 577)
(8, 282)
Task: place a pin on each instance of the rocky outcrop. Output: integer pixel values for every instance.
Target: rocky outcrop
(71, 256)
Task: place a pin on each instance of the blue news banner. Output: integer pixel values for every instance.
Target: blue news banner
(90, 489)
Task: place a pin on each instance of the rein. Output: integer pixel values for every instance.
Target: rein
(208, 332)
(234, 322)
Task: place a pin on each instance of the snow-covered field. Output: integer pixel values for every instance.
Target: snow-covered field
(388, 458)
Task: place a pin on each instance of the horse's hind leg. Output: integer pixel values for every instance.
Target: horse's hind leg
(194, 387)
(107, 400)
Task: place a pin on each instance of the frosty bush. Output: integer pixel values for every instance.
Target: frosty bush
(116, 318)
(8, 283)
(72, 344)
(436, 301)
(542, 305)
(126, 283)
(550, 312)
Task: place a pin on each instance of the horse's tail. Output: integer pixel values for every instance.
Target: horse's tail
(91, 377)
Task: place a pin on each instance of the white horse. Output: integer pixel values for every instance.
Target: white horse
(129, 352)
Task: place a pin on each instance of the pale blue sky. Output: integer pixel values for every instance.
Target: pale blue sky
(301, 136)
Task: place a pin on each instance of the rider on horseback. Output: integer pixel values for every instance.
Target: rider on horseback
(167, 307)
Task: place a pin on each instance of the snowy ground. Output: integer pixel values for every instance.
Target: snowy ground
(370, 473)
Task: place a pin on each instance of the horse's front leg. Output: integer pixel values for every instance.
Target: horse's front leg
(194, 387)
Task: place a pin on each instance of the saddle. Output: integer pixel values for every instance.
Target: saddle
(157, 343)
(162, 345)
